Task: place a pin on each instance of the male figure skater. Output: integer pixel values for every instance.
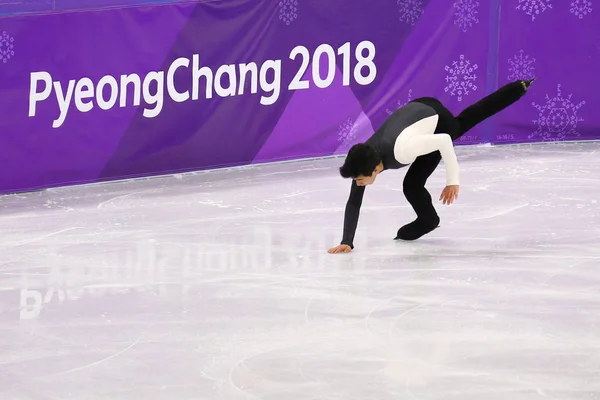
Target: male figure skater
(419, 134)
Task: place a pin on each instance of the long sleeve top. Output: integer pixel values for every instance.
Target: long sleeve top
(408, 133)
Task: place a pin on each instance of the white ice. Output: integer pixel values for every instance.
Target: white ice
(218, 285)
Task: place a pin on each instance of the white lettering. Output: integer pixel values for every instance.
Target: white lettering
(84, 90)
(34, 95)
(226, 81)
(228, 70)
(137, 89)
(273, 86)
(63, 102)
(175, 95)
(114, 92)
(244, 69)
(197, 73)
(156, 98)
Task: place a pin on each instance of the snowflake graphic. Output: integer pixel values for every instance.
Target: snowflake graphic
(581, 8)
(288, 11)
(521, 66)
(400, 103)
(410, 11)
(347, 132)
(558, 118)
(461, 78)
(6, 47)
(466, 13)
(534, 8)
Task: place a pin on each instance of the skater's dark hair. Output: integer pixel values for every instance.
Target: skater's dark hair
(362, 159)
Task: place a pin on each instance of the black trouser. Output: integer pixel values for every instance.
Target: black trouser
(422, 168)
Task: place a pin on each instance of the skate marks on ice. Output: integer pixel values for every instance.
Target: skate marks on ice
(218, 285)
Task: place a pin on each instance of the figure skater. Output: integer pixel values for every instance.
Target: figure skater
(419, 134)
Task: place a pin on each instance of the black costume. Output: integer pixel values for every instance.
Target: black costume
(384, 139)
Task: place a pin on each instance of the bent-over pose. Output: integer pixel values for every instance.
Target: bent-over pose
(419, 134)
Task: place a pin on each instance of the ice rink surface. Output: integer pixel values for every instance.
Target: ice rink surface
(218, 285)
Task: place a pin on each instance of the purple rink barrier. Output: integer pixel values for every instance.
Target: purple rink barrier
(98, 95)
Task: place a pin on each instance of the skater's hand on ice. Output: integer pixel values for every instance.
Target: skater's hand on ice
(449, 194)
(342, 248)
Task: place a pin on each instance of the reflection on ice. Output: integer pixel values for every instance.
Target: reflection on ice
(218, 286)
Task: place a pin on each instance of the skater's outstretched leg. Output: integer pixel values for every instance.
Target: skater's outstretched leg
(491, 104)
(420, 170)
(419, 198)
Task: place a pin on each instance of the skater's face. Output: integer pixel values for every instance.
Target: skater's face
(362, 180)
